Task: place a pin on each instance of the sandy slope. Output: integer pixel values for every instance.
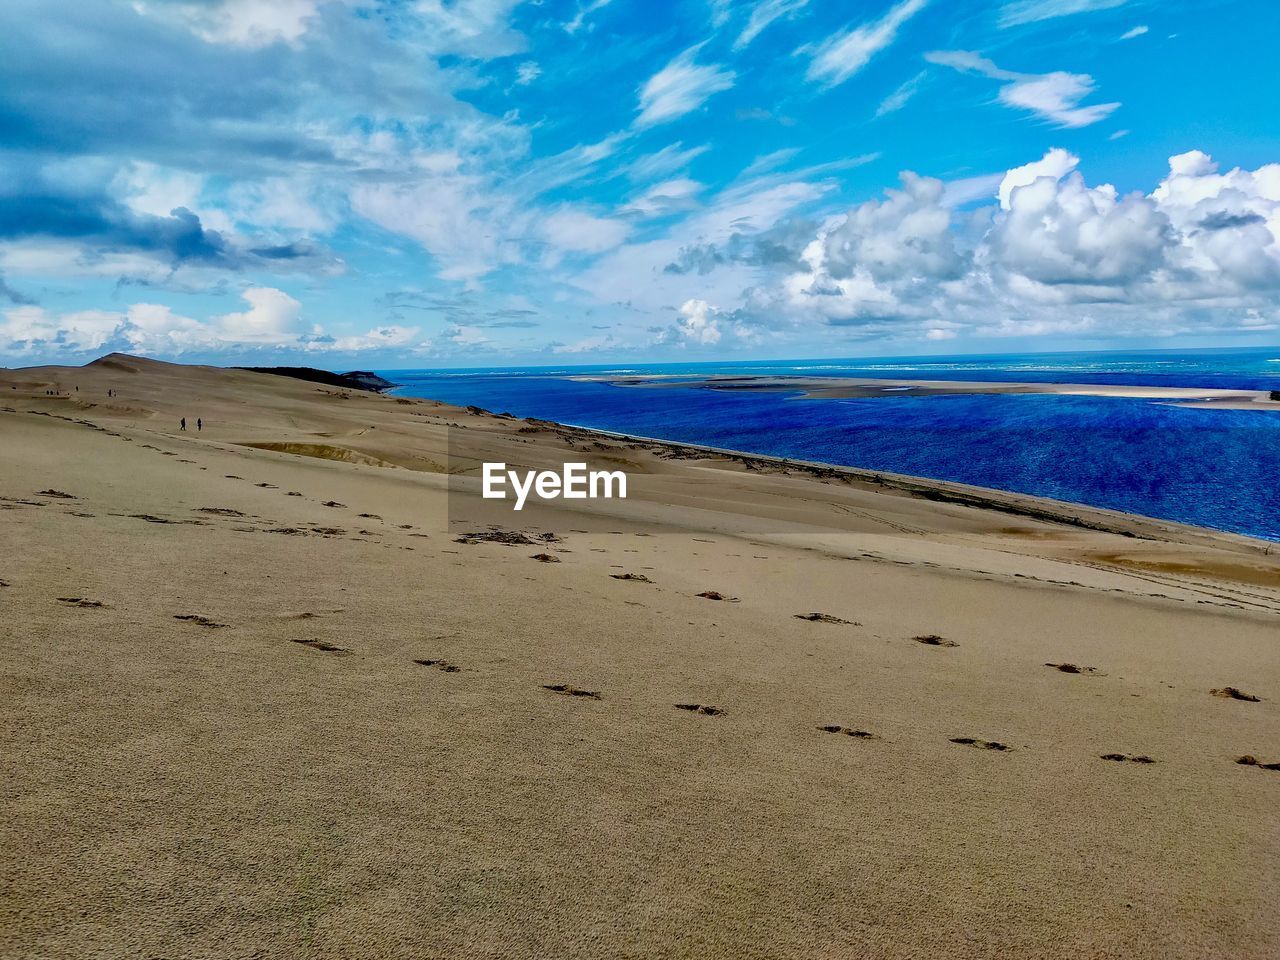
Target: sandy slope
(183, 790)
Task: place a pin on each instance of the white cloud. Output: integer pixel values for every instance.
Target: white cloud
(1053, 96)
(899, 97)
(1055, 164)
(473, 28)
(273, 317)
(575, 230)
(585, 10)
(243, 23)
(1031, 11)
(1135, 32)
(698, 324)
(839, 57)
(905, 235)
(1056, 97)
(1056, 256)
(763, 14)
(679, 88)
(527, 72)
(28, 328)
(672, 158)
(667, 197)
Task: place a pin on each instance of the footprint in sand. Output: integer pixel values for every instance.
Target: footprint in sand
(323, 645)
(267, 486)
(1127, 758)
(5, 583)
(859, 734)
(1249, 760)
(545, 558)
(293, 493)
(442, 665)
(1233, 693)
(638, 577)
(198, 620)
(933, 640)
(219, 511)
(717, 595)
(57, 495)
(983, 744)
(568, 691)
(81, 602)
(700, 708)
(825, 618)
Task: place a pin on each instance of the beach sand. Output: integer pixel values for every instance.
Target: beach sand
(258, 699)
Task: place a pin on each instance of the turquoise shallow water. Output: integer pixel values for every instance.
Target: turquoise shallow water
(1216, 468)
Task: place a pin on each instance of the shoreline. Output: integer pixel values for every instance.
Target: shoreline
(1029, 505)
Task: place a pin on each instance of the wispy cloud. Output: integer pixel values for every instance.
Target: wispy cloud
(1032, 11)
(1135, 32)
(898, 99)
(679, 88)
(763, 14)
(839, 57)
(1053, 96)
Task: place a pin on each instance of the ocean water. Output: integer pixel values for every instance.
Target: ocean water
(1214, 468)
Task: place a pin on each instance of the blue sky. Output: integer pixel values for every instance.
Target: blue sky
(362, 183)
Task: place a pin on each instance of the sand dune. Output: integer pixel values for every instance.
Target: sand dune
(263, 703)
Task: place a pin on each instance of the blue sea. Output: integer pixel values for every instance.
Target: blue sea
(1213, 468)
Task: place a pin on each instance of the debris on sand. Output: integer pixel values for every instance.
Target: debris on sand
(859, 734)
(933, 640)
(323, 645)
(1071, 668)
(220, 511)
(825, 618)
(569, 691)
(56, 494)
(638, 577)
(1234, 693)
(545, 558)
(982, 744)
(1248, 760)
(512, 538)
(700, 708)
(198, 620)
(717, 595)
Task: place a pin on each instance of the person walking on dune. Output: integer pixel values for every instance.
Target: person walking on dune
(184, 424)
(199, 424)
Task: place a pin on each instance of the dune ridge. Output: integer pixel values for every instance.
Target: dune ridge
(260, 701)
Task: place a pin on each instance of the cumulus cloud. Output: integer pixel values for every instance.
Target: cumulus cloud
(271, 321)
(839, 57)
(1052, 254)
(679, 88)
(699, 324)
(1053, 96)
